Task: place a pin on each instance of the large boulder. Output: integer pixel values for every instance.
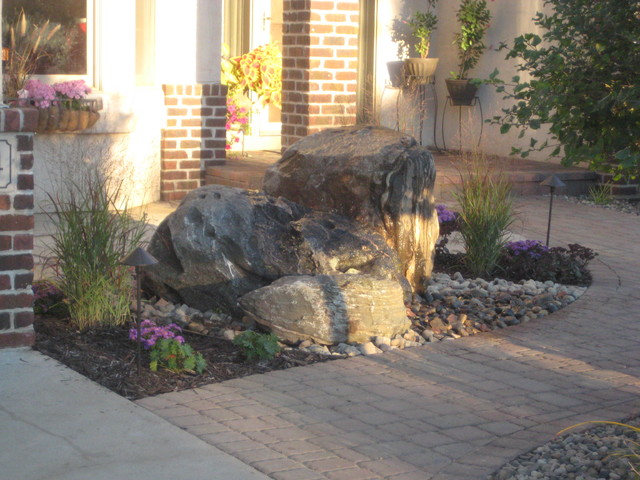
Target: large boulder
(223, 242)
(374, 175)
(329, 309)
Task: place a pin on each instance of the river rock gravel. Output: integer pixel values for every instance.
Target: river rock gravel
(601, 452)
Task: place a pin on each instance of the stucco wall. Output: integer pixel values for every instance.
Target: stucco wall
(510, 19)
(128, 135)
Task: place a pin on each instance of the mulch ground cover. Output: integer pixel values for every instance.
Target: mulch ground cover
(107, 356)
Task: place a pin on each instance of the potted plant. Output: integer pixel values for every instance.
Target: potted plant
(421, 70)
(473, 17)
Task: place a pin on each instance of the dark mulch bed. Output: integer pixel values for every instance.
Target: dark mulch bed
(108, 357)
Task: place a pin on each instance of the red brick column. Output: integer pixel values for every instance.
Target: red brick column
(194, 137)
(320, 60)
(16, 226)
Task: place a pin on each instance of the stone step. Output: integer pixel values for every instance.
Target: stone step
(525, 175)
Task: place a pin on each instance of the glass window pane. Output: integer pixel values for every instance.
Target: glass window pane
(66, 51)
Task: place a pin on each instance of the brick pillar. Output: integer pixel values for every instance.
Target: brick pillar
(194, 137)
(16, 226)
(320, 61)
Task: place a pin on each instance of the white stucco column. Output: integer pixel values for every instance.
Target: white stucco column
(188, 41)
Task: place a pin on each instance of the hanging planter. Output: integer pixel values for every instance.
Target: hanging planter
(61, 107)
(420, 71)
(396, 73)
(462, 92)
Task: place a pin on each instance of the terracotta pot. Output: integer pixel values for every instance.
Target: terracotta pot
(93, 118)
(420, 71)
(65, 115)
(83, 119)
(462, 92)
(74, 120)
(43, 119)
(53, 120)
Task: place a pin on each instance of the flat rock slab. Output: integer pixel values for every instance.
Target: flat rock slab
(329, 309)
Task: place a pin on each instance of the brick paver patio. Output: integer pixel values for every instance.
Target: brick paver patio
(452, 410)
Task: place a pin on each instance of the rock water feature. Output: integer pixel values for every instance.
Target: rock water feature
(224, 242)
(374, 175)
(332, 256)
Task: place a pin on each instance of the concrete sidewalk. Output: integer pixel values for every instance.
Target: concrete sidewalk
(56, 424)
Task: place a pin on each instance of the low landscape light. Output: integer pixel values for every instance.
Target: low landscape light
(552, 182)
(138, 258)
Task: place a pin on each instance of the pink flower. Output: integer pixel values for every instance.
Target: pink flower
(42, 93)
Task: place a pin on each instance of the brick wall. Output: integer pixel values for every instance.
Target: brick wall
(320, 60)
(194, 137)
(16, 226)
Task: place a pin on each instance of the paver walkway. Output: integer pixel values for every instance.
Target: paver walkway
(452, 410)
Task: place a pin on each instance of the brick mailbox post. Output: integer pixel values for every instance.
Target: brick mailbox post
(16, 226)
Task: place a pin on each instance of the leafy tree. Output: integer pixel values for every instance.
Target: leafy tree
(582, 81)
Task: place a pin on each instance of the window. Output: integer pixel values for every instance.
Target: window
(68, 50)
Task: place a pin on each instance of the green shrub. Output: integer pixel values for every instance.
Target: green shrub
(256, 345)
(580, 78)
(91, 236)
(177, 357)
(486, 212)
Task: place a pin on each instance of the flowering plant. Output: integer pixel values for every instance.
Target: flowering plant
(237, 121)
(449, 223)
(73, 90)
(49, 299)
(152, 333)
(527, 248)
(42, 93)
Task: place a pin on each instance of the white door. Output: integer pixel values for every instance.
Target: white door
(266, 123)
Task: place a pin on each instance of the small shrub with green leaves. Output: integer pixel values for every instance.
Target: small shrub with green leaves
(530, 259)
(176, 356)
(49, 299)
(257, 346)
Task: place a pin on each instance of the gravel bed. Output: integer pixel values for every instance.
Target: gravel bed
(596, 453)
(625, 206)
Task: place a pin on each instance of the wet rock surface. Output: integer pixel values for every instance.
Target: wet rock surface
(374, 175)
(223, 242)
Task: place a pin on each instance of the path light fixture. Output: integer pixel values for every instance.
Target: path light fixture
(552, 182)
(138, 258)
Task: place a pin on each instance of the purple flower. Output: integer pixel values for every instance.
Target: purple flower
(530, 248)
(151, 333)
(445, 215)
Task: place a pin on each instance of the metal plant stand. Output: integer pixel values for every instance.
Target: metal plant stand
(476, 102)
(425, 92)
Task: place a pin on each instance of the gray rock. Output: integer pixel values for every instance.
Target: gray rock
(329, 309)
(223, 242)
(375, 175)
(369, 349)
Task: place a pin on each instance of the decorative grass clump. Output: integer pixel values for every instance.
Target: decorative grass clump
(486, 213)
(91, 236)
